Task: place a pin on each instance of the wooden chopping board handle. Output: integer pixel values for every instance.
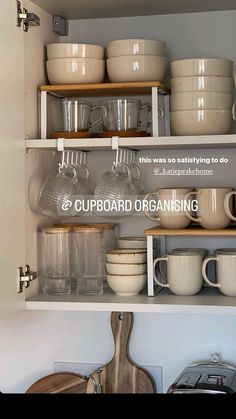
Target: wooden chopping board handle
(122, 325)
(122, 375)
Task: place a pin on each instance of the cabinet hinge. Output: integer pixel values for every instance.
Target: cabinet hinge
(25, 18)
(24, 278)
(60, 25)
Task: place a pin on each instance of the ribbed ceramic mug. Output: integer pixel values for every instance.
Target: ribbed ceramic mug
(184, 273)
(228, 204)
(170, 219)
(211, 213)
(225, 271)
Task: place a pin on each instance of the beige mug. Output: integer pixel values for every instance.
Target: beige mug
(211, 212)
(225, 271)
(168, 218)
(184, 276)
(228, 204)
(185, 251)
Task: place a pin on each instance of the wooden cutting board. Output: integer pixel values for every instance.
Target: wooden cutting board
(61, 383)
(122, 375)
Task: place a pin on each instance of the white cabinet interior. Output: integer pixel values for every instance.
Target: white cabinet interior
(41, 337)
(40, 162)
(74, 9)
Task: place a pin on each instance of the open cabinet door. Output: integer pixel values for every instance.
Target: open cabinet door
(12, 158)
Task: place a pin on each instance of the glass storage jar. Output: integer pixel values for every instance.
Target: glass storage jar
(88, 259)
(54, 260)
(110, 235)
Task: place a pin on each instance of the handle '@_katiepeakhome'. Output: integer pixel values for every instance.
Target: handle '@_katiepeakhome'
(226, 204)
(157, 218)
(155, 263)
(204, 274)
(197, 219)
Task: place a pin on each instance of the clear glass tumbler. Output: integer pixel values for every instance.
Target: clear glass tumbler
(54, 260)
(110, 236)
(121, 114)
(71, 115)
(88, 259)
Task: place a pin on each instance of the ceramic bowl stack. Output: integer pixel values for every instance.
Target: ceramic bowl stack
(132, 243)
(201, 96)
(75, 63)
(126, 271)
(134, 60)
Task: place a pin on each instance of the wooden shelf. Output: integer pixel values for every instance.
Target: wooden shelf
(141, 143)
(156, 231)
(104, 89)
(209, 301)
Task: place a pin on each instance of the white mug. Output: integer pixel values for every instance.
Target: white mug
(185, 251)
(167, 218)
(184, 276)
(225, 271)
(211, 212)
(197, 250)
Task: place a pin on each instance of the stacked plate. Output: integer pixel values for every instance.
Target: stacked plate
(201, 99)
(131, 60)
(126, 271)
(75, 63)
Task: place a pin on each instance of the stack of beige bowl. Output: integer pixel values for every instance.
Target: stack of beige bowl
(133, 60)
(127, 267)
(75, 63)
(201, 96)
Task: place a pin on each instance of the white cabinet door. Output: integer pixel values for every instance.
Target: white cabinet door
(12, 158)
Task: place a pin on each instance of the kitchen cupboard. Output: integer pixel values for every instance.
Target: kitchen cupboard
(42, 337)
(32, 158)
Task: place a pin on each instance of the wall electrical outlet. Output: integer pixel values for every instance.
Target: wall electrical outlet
(86, 369)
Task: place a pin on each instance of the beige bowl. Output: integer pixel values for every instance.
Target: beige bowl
(132, 243)
(127, 285)
(75, 51)
(136, 47)
(75, 70)
(201, 122)
(126, 268)
(127, 256)
(200, 100)
(136, 68)
(202, 66)
(202, 83)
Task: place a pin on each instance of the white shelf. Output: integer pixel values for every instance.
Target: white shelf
(141, 143)
(209, 301)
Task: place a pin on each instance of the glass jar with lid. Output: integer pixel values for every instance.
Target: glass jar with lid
(54, 260)
(110, 235)
(88, 259)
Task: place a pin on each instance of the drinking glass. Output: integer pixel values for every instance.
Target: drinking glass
(56, 195)
(113, 189)
(110, 236)
(54, 260)
(122, 114)
(71, 115)
(88, 259)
